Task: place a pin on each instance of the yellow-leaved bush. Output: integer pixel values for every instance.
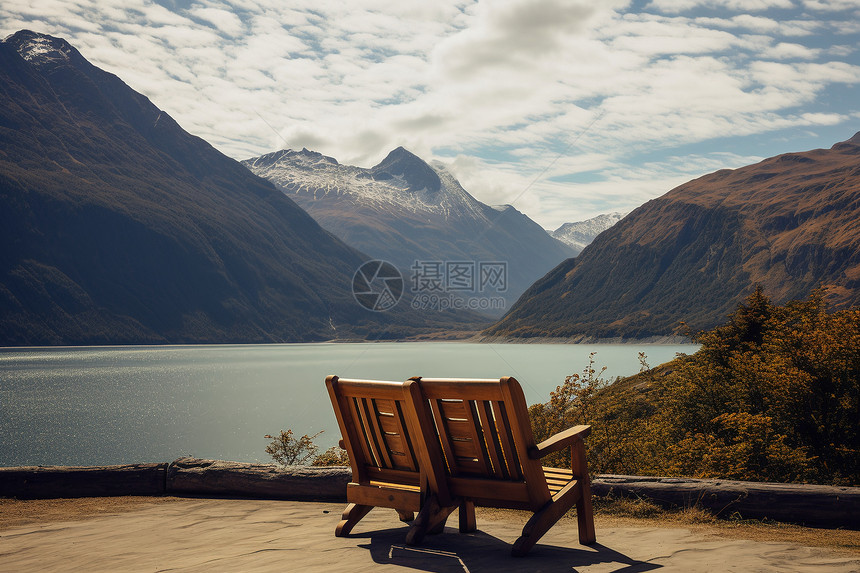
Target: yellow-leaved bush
(772, 395)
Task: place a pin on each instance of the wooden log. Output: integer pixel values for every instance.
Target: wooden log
(812, 505)
(39, 482)
(216, 477)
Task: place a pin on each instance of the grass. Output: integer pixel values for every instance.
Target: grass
(16, 512)
(638, 512)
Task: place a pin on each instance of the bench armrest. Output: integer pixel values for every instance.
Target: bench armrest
(559, 441)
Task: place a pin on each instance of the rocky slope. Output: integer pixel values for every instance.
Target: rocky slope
(790, 223)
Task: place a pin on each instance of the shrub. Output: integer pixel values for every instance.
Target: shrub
(334, 456)
(771, 395)
(289, 451)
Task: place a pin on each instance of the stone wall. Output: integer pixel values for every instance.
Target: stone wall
(814, 505)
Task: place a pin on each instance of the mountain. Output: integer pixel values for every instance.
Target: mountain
(579, 234)
(790, 223)
(419, 218)
(119, 227)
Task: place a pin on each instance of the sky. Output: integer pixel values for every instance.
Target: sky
(563, 108)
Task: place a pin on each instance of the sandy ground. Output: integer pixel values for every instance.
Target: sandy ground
(186, 535)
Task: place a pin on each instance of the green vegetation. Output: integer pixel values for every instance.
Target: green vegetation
(772, 395)
(287, 450)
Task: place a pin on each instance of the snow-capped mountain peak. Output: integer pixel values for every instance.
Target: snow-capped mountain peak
(40, 49)
(579, 234)
(409, 169)
(418, 217)
(400, 181)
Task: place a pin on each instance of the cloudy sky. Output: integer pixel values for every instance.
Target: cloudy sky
(563, 108)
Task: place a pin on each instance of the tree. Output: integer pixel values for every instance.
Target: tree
(289, 451)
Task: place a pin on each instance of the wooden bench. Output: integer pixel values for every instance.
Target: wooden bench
(378, 438)
(435, 445)
(478, 449)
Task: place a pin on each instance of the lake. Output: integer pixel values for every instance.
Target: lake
(131, 404)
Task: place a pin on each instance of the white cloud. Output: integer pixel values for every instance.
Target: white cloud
(226, 22)
(650, 36)
(677, 6)
(786, 51)
(841, 51)
(608, 93)
(764, 25)
(507, 36)
(831, 5)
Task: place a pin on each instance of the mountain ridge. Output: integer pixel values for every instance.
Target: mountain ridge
(121, 228)
(407, 211)
(790, 223)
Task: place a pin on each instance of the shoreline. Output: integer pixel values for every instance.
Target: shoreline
(470, 338)
(585, 339)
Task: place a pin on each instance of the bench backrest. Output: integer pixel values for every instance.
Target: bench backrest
(477, 436)
(376, 431)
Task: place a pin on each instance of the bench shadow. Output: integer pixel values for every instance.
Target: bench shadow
(479, 552)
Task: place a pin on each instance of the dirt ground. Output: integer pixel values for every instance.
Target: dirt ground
(614, 514)
(14, 512)
(201, 535)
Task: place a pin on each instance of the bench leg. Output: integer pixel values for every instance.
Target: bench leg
(584, 512)
(431, 519)
(467, 517)
(534, 529)
(351, 515)
(439, 527)
(406, 515)
(547, 516)
(585, 518)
